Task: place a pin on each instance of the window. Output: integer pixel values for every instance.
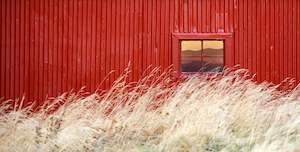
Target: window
(202, 55)
(202, 52)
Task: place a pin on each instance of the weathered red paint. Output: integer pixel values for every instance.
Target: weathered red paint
(48, 47)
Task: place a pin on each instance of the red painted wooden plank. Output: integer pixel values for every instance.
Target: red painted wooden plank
(149, 34)
(241, 33)
(46, 47)
(295, 39)
(22, 47)
(232, 15)
(103, 40)
(118, 39)
(282, 40)
(227, 17)
(5, 48)
(17, 49)
(88, 52)
(69, 45)
(213, 16)
(264, 47)
(254, 30)
(144, 36)
(108, 50)
(2, 48)
(161, 36)
(35, 48)
(289, 39)
(55, 54)
(267, 46)
(277, 41)
(31, 50)
(245, 34)
(298, 45)
(298, 37)
(124, 34)
(153, 31)
(176, 16)
(255, 41)
(98, 44)
(249, 35)
(218, 15)
(15, 56)
(79, 62)
(285, 32)
(185, 15)
(26, 49)
(194, 11)
(112, 42)
(12, 49)
(93, 45)
(51, 50)
(74, 44)
(140, 40)
(65, 50)
(199, 16)
(167, 37)
(236, 29)
(82, 20)
(204, 16)
(8, 50)
(180, 15)
(222, 15)
(41, 59)
(136, 60)
(123, 49)
(272, 41)
(130, 34)
(60, 53)
(294, 31)
(259, 35)
(158, 32)
(189, 14)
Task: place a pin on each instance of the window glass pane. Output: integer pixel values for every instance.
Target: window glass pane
(191, 56)
(202, 55)
(213, 55)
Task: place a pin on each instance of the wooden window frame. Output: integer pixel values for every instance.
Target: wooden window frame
(178, 37)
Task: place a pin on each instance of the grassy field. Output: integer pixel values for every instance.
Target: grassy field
(157, 114)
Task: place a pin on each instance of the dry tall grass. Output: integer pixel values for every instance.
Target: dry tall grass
(216, 113)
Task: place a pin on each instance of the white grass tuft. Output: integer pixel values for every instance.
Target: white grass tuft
(228, 112)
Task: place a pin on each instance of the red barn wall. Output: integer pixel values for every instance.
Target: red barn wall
(52, 46)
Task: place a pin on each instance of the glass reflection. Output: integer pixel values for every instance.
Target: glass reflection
(202, 56)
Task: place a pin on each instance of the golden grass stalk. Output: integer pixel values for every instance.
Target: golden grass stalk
(226, 112)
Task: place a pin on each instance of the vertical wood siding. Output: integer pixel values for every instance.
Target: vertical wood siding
(48, 47)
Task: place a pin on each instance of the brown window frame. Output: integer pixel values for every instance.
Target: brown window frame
(178, 37)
